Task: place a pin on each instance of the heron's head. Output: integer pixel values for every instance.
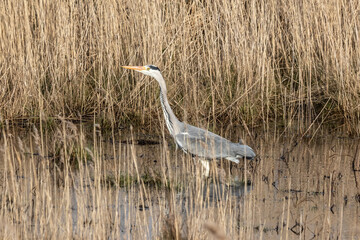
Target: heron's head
(149, 70)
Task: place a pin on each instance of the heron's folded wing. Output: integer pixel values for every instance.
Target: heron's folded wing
(202, 145)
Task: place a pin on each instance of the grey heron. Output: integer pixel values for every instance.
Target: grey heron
(196, 141)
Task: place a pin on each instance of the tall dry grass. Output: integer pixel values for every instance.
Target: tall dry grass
(269, 64)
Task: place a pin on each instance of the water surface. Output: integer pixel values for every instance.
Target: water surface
(131, 185)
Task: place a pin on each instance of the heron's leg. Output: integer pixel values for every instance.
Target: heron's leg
(231, 167)
(206, 165)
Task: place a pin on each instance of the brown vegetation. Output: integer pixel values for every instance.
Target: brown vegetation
(283, 64)
(280, 66)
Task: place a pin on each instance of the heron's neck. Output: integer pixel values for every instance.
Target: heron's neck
(172, 123)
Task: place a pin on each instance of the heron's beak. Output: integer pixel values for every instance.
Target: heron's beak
(137, 68)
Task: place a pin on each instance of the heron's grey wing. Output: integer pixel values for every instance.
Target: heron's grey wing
(228, 149)
(241, 150)
(199, 132)
(205, 144)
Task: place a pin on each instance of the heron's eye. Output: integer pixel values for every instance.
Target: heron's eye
(147, 68)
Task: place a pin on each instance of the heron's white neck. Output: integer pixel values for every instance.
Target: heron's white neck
(172, 122)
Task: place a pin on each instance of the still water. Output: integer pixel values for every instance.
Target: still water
(132, 185)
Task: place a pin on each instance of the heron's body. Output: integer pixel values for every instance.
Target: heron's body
(196, 141)
(206, 144)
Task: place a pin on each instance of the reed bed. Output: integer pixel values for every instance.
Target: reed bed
(277, 66)
(289, 65)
